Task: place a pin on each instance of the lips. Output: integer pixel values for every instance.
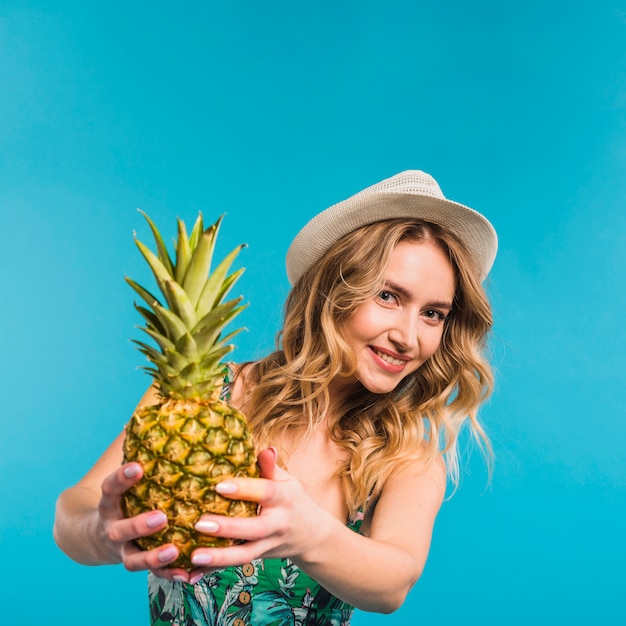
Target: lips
(390, 359)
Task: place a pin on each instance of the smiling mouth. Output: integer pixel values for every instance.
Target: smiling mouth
(389, 359)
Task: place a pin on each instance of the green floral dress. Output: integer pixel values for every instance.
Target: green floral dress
(270, 592)
(265, 592)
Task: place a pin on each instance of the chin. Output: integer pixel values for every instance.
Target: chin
(379, 390)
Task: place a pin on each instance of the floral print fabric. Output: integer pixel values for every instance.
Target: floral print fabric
(271, 592)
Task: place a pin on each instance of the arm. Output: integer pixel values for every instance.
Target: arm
(392, 557)
(78, 529)
(90, 527)
(373, 573)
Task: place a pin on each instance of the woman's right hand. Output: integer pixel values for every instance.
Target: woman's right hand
(119, 533)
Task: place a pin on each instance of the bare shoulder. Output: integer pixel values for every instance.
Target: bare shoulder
(241, 385)
(419, 478)
(417, 468)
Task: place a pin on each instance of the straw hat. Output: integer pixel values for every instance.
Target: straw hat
(410, 194)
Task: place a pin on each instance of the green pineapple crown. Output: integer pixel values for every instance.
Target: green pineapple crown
(187, 327)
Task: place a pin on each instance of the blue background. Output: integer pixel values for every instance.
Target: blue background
(271, 111)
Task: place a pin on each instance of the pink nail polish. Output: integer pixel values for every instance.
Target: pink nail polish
(207, 526)
(156, 519)
(131, 471)
(226, 487)
(196, 578)
(167, 554)
(201, 559)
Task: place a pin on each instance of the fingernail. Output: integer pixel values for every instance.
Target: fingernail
(226, 487)
(131, 471)
(201, 559)
(207, 526)
(274, 450)
(167, 554)
(195, 578)
(158, 518)
(177, 578)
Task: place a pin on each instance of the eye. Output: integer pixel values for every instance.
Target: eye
(387, 297)
(435, 316)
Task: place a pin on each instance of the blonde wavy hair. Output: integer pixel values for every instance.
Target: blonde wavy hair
(420, 419)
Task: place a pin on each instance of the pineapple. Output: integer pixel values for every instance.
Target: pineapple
(191, 439)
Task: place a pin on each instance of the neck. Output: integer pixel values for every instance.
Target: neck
(341, 390)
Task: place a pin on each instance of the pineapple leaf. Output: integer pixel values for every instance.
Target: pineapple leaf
(153, 354)
(181, 304)
(209, 330)
(217, 353)
(228, 338)
(213, 287)
(158, 269)
(183, 252)
(191, 374)
(207, 387)
(162, 250)
(200, 265)
(164, 381)
(176, 360)
(163, 342)
(144, 293)
(151, 319)
(150, 370)
(174, 327)
(196, 232)
(186, 345)
(210, 362)
(213, 318)
(167, 372)
(228, 284)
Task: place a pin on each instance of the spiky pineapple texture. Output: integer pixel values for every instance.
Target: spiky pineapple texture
(191, 439)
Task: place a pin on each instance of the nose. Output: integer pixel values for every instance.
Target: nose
(404, 332)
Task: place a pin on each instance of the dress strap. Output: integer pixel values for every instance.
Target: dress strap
(228, 380)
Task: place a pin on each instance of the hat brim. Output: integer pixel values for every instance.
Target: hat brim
(318, 235)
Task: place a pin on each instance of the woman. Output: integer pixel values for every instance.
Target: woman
(380, 365)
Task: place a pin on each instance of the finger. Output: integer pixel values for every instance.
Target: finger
(136, 560)
(123, 530)
(267, 462)
(117, 483)
(179, 575)
(250, 489)
(175, 575)
(196, 574)
(235, 555)
(241, 528)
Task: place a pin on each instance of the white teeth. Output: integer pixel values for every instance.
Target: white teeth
(389, 359)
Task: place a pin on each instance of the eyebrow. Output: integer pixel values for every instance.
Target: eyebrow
(405, 293)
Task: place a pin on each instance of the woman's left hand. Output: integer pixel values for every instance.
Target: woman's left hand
(282, 528)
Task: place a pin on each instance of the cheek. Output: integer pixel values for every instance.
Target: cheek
(432, 342)
(362, 323)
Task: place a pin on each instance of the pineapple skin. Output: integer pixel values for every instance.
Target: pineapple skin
(185, 448)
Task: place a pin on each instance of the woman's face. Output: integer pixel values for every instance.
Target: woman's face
(393, 334)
